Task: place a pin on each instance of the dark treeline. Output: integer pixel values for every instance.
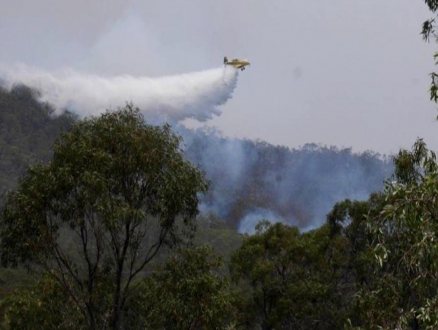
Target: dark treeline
(252, 180)
(28, 130)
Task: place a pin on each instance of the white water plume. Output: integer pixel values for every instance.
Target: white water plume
(194, 95)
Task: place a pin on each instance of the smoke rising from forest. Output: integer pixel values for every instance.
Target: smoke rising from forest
(173, 98)
(254, 180)
(250, 180)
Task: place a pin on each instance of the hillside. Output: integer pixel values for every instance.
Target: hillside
(253, 180)
(250, 180)
(28, 130)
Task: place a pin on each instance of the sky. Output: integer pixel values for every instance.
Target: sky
(341, 72)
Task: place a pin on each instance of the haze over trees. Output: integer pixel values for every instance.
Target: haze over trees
(109, 225)
(253, 180)
(27, 132)
(91, 221)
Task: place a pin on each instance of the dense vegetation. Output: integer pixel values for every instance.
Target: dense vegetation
(57, 224)
(372, 264)
(95, 227)
(106, 222)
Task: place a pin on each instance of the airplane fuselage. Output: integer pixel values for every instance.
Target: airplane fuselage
(238, 64)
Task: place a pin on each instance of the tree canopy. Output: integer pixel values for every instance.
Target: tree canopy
(403, 294)
(120, 188)
(187, 293)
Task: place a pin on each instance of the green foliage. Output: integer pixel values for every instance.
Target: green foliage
(428, 30)
(187, 293)
(293, 278)
(44, 307)
(428, 27)
(412, 166)
(119, 187)
(403, 294)
(351, 220)
(215, 232)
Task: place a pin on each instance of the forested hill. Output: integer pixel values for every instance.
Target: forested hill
(250, 180)
(253, 180)
(27, 133)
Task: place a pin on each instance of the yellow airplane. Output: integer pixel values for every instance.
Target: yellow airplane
(238, 64)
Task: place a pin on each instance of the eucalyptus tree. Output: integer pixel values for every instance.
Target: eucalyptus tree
(188, 293)
(116, 191)
(428, 31)
(290, 280)
(404, 292)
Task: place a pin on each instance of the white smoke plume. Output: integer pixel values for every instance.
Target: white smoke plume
(250, 220)
(173, 98)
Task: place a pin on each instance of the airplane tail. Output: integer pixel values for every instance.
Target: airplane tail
(225, 60)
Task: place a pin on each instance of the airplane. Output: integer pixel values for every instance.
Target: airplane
(238, 64)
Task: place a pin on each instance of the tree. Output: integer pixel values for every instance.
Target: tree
(293, 278)
(429, 30)
(113, 195)
(187, 293)
(39, 309)
(349, 221)
(404, 292)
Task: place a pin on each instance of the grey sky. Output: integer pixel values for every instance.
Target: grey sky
(340, 72)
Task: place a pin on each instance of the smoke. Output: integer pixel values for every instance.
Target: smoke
(173, 98)
(250, 220)
(254, 180)
(250, 180)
